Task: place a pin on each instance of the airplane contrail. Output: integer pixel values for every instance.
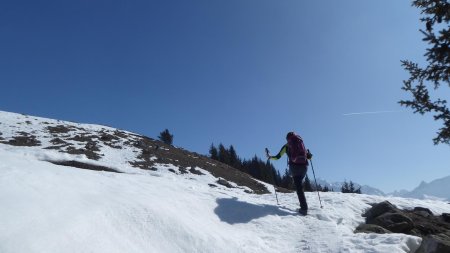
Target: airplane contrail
(364, 113)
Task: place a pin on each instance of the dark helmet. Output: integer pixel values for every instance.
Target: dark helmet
(289, 135)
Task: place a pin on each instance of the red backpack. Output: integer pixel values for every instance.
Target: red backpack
(296, 150)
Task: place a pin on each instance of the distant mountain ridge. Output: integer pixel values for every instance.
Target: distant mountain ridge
(436, 189)
(365, 189)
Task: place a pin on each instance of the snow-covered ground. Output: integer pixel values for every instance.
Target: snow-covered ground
(51, 208)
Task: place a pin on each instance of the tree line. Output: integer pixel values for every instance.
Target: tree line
(266, 172)
(259, 169)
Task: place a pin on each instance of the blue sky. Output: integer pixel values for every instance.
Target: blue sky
(237, 72)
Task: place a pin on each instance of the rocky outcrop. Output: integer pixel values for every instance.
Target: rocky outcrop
(384, 217)
(439, 243)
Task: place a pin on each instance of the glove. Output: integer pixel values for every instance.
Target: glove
(309, 155)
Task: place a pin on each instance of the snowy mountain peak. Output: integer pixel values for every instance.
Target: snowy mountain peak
(422, 184)
(438, 189)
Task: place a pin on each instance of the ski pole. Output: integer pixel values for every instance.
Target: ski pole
(312, 167)
(274, 189)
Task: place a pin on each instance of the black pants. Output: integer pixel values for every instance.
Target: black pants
(298, 181)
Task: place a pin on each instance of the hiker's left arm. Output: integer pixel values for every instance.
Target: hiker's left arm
(280, 154)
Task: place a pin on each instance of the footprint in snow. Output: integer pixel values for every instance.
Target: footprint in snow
(323, 217)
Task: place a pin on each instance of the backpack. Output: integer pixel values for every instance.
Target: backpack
(296, 150)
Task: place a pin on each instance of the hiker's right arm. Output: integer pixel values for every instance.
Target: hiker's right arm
(280, 154)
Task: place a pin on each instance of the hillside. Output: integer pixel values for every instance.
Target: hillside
(68, 187)
(97, 147)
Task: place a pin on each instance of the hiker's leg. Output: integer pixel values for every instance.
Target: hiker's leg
(298, 180)
(300, 193)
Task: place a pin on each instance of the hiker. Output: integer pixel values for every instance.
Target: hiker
(298, 165)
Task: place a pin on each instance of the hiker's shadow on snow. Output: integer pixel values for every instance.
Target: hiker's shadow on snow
(233, 211)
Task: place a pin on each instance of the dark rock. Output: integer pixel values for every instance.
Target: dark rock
(22, 133)
(147, 151)
(439, 243)
(85, 166)
(173, 171)
(122, 134)
(26, 141)
(395, 222)
(107, 137)
(417, 209)
(379, 209)
(59, 129)
(83, 138)
(91, 145)
(90, 154)
(57, 141)
(415, 232)
(422, 228)
(446, 217)
(224, 182)
(371, 228)
(434, 230)
(196, 172)
(212, 185)
(141, 144)
(422, 211)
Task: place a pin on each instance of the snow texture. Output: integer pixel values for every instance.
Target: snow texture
(51, 208)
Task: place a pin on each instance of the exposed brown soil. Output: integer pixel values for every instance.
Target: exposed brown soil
(151, 152)
(167, 154)
(26, 141)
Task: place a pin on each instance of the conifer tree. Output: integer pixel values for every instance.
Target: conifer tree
(213, 152)
(223, 154)
(350, 188)
(345, 187)
(437, 72)
(166, 137)
(234, 159)
(255, 169)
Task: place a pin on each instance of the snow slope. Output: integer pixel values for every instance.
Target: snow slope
(51, 208)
